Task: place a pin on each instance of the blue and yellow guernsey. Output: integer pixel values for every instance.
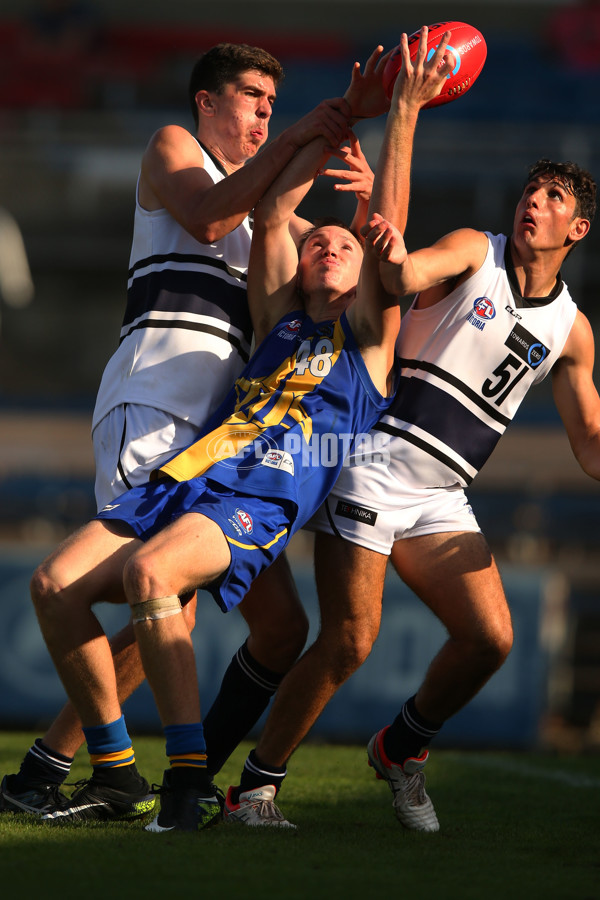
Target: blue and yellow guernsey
(286, 426)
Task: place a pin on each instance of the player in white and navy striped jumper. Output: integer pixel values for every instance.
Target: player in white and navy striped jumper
(186, 332)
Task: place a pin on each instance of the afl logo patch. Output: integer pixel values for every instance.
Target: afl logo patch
(289, 332)
(483, 308)
(245, 520)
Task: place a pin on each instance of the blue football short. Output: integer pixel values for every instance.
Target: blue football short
(257, 530)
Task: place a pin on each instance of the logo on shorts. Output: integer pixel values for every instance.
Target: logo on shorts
(244, 519)
(357, 513)
(279, 459)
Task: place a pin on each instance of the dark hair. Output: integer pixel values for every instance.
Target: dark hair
(223, 63)
(325, 222)
(576, 181)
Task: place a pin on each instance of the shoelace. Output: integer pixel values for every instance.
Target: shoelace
(78, 786)
(415, 788)
(54, 794)
(268, 810)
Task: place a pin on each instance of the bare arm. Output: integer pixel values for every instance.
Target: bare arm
(375, 317)
(417, 83)
(358, 177)
(173, 175)
(576, 397)
(366, 98)
(274, 258)
(274, 255)
(458, 254)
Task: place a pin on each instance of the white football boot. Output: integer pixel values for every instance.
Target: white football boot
(413, 807)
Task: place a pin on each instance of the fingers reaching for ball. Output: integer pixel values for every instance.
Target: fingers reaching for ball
(454, 52)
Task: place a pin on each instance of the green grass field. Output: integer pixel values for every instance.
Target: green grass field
(513, 825)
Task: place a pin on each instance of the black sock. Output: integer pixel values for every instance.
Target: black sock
(257, 774)
(191, 776)
(244, 695)
(121, 777)
(409, 734)
(41, 765)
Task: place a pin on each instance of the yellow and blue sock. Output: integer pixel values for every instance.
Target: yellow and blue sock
(186, 749)
(111, 752)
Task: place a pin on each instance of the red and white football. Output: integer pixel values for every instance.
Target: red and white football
(466, 45)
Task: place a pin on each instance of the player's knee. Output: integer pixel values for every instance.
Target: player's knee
(355, 650)
(494, 647)
(46, 592)
(141, 579)
(349, 650)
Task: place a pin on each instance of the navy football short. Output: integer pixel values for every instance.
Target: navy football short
(256, 530)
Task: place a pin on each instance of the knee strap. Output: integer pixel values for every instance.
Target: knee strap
(155, 609)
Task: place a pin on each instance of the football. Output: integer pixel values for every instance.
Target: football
(468, 48)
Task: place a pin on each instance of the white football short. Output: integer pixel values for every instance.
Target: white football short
(130, 442)
(354, 512)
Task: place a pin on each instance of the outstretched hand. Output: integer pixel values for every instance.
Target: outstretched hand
(365, 93)
(358, 177)
(421, 80)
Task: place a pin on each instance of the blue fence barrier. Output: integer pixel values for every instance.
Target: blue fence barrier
(507, 712)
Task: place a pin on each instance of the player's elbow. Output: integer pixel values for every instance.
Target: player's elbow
(587, 454)
(207, 232)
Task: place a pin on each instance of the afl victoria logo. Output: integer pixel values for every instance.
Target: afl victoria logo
(483, 308)
(294, 325)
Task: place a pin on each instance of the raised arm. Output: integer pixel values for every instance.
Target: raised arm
(173, 175)
(458, 254)
(375, 316)
(274, 254)
(358, 178)
(417, 83)
(274, 258)
(576, 397)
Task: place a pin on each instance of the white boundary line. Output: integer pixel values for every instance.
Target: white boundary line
(515, 767)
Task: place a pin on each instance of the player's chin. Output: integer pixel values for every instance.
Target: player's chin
(255, 142)
(250, 149)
